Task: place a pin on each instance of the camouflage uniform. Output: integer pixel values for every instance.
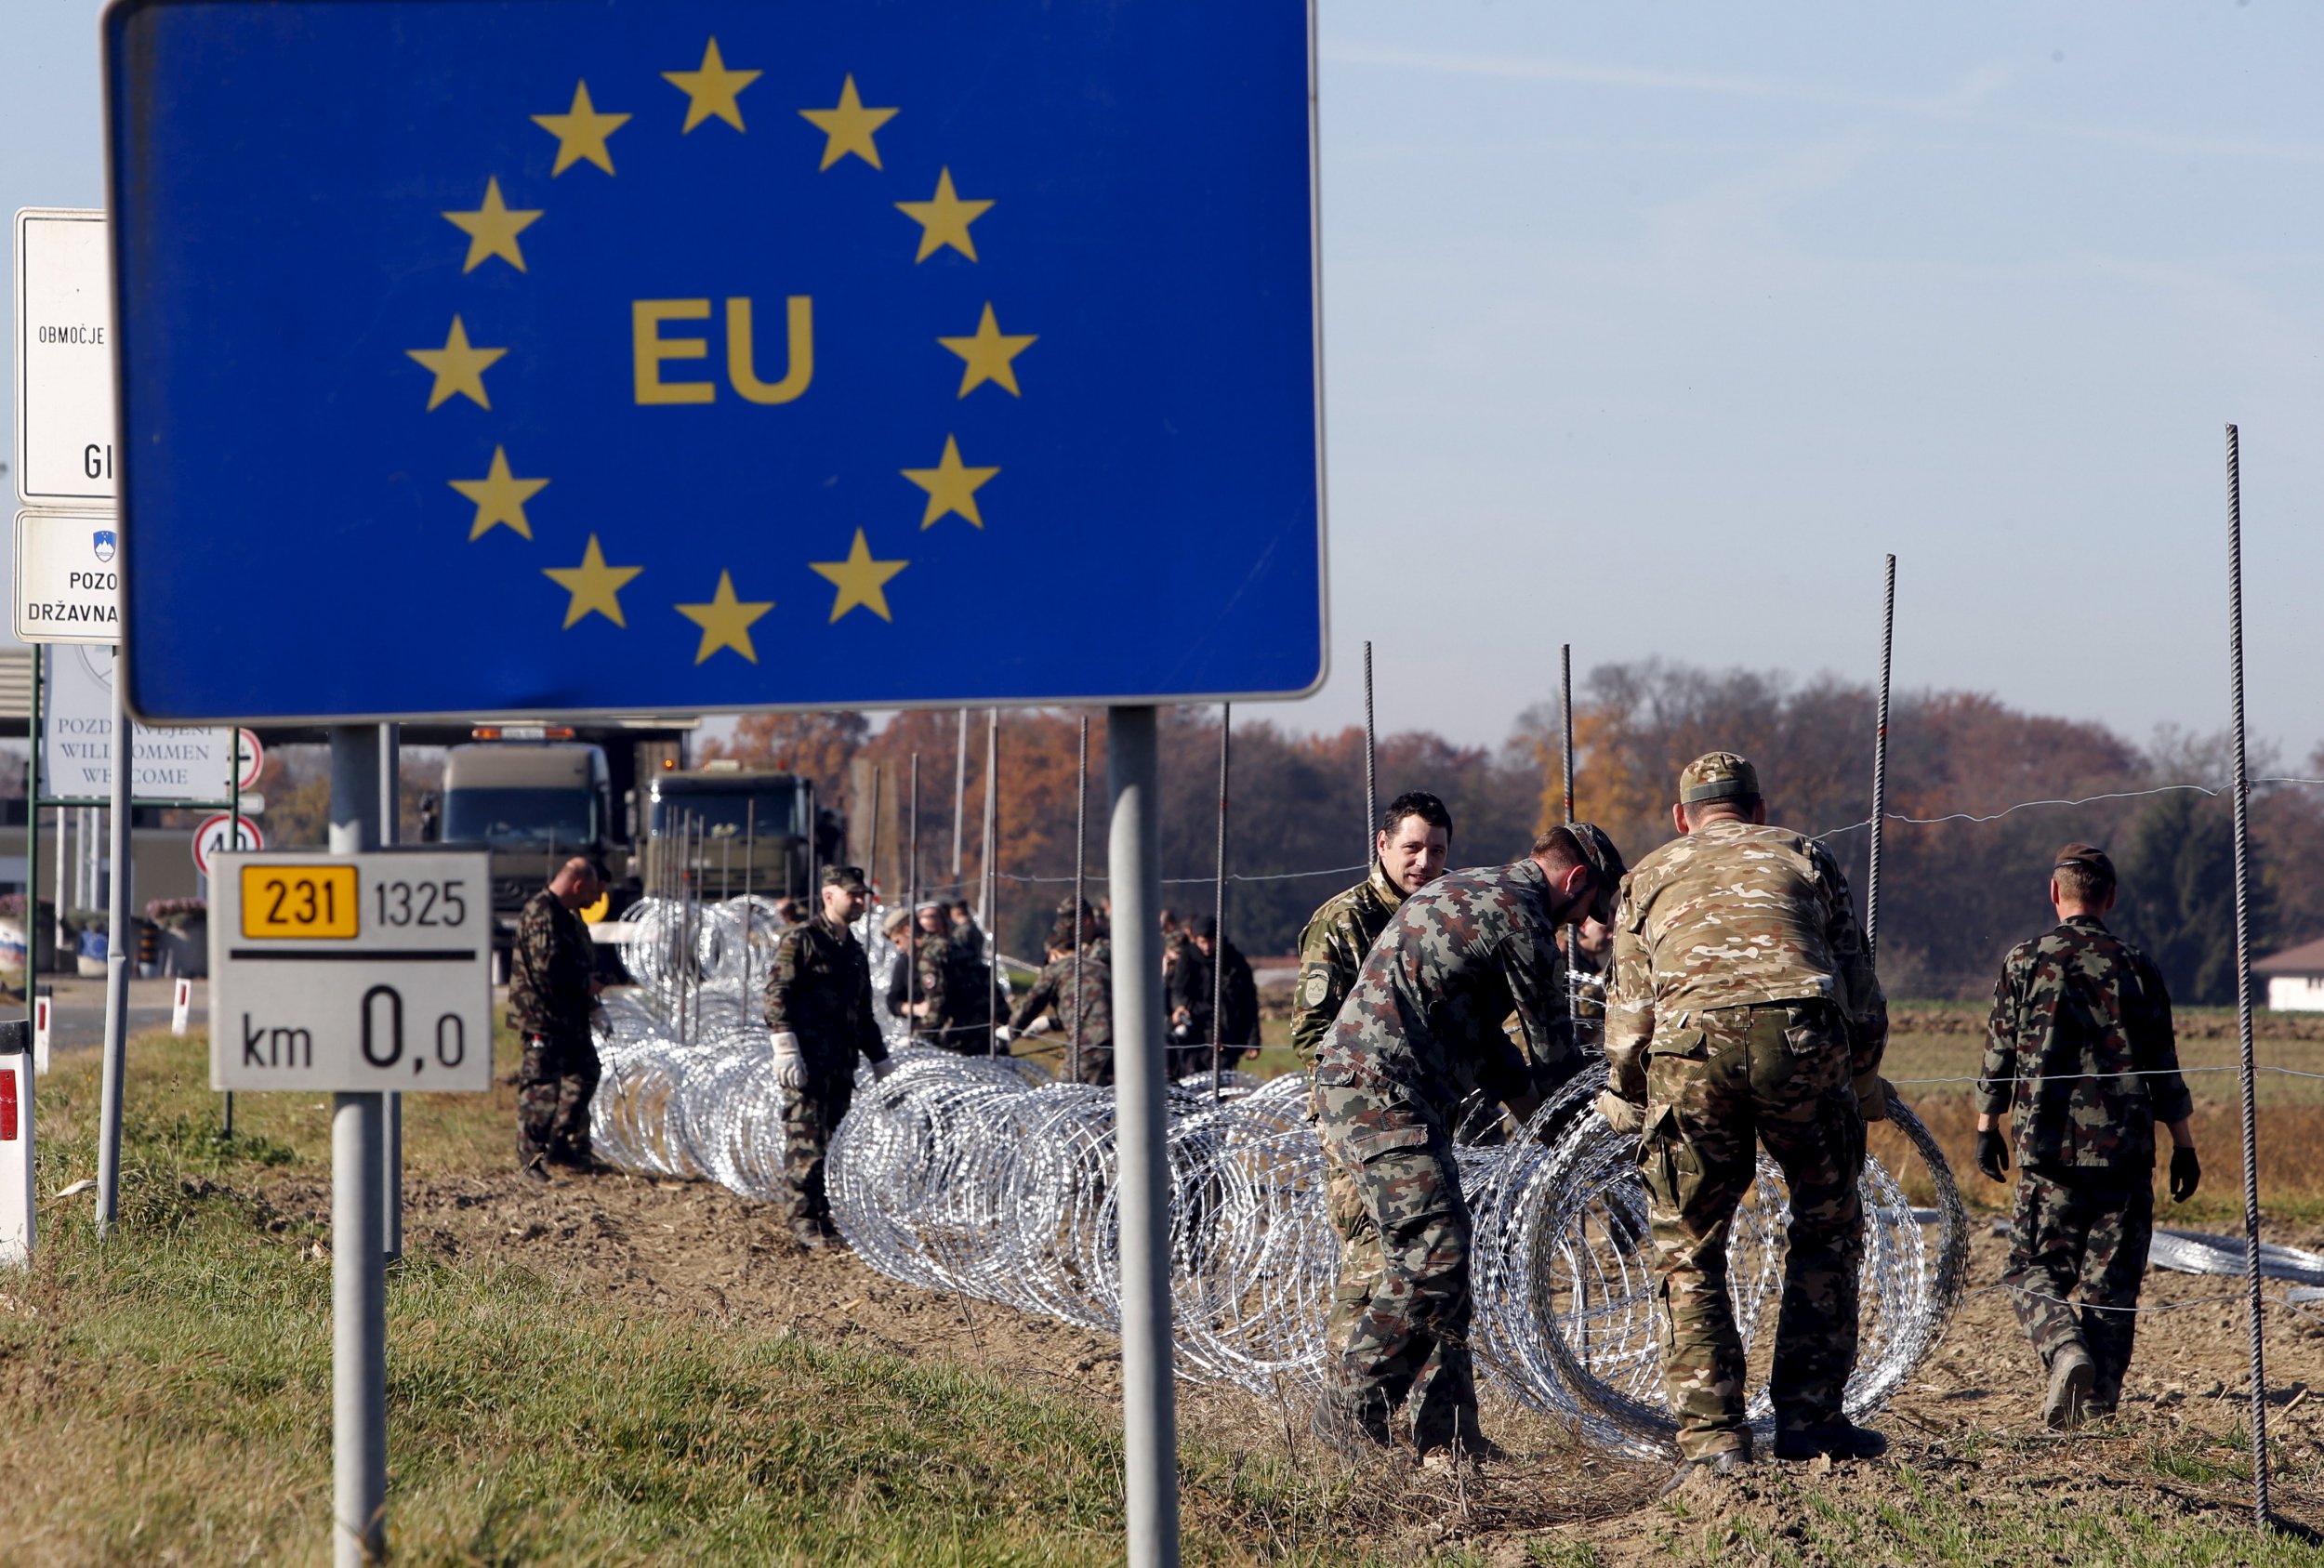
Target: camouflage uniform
(549, 1007)
(1421, 1030)
(1331, 955)
(928, 978)
(1052, 993)
(1742, 1009)
(1189, 987)
(819, 990)
(2072, 1008)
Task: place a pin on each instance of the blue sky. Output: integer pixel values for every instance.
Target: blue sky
(1651, 328)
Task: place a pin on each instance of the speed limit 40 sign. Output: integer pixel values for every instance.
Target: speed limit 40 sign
(351, 972)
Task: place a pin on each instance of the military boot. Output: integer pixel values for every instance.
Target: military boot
(2067, 1404)
(1839, 1440)
(1357, 1432)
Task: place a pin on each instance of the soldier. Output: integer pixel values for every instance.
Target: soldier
(1189, 990)
(550, 993)
(1421, 1030)
(819, 1005)
(2080, 1049)
(923, 984)
(1744, 1010)
(1050, 1003)
(1409, 852)
(970, 987)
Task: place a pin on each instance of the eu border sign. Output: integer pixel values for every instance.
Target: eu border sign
(643, 355)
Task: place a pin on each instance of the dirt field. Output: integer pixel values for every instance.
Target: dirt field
(1969, 1427)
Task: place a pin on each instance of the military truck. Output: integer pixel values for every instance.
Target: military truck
(739, 830)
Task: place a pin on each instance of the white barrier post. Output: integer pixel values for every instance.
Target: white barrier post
(181, 1007)
(15, 1141)
(40, 1034)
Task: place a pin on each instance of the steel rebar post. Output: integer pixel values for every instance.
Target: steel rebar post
(911, 908)
(750, 840)
(1372, 778)
(1565, 723)
(960, 798)
(1879, 770)
(1149, 1397)
(31, 849)
(359, 1289)
(2259, 1499)
(1217, 919)
(992, 884)
(1081, 839)
(116, 961)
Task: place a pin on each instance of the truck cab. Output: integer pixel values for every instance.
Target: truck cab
(736, 831)
(534, 798)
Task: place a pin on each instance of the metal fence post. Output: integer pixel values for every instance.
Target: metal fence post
(1880, 771)
(116, 961)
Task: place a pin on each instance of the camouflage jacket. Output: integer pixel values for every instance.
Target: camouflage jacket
(2072, 1007)
(548, 971)
(931, 977)
(1422, 1027)
(819, 990)
(1736, 915)
(1331, 953)
(1052, 993)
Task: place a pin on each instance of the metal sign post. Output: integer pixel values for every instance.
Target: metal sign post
(116, 973)
(18, 1195)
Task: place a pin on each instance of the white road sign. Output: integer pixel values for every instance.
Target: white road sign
(210, 840)
(253, 761)
(355, 974)
(68, 577)
(76, 716)
(64, 359)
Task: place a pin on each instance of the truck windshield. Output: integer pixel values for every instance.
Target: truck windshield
(729, 813)
(545, 817)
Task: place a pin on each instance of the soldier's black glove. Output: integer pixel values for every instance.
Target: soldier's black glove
(2187, 1174)
(1993, 1153)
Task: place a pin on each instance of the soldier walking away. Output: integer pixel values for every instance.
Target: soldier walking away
(551, 992)
(819, 1006)
(1744, 1011)
(1418, 1033)
(1051, 1004)
(1188, 988)
(2080, 1052)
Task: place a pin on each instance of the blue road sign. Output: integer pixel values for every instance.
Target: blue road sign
(489, 356)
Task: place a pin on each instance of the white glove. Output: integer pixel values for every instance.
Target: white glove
(1039, 1026)
(790, 1068)
(884, 1066)
(1002, 1035)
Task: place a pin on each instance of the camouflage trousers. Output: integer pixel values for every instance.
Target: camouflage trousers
(1180, 1062)
(1734, 1078)
(2091, 1231)
(1095, 1064)
(555, 1081)
(809, 1117)
(1401, 1308)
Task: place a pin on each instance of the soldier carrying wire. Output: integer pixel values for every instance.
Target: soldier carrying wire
(1744, 1011)
(1421, 1031)
(2081, 1050)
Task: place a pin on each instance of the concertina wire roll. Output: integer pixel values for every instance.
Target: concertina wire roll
(984, 1177)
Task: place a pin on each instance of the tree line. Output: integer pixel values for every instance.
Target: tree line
(1962, 877)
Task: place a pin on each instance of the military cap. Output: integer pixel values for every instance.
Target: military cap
(1717, 775)
(1061, 935)
(895, 917)
(927, 904)
(848, 877)
(1606, 869)
(2085, 857)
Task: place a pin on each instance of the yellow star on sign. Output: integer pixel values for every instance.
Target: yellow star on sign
(459, 368)
(594, 585)
(500, 497)
(725, 621)
(951, 486)
(712, 89)
(848, 127)
(860, 579)
(944, 219)
(581, 132)
(988, 354)
(492, 230)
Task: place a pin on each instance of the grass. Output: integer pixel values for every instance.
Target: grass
(168, 1400)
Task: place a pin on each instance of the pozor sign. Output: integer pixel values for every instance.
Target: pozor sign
(354, 974)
